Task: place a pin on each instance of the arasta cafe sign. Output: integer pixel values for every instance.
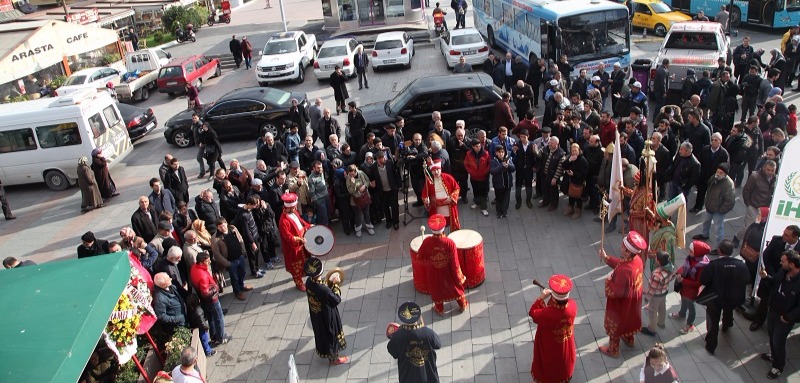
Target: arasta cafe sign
(47, 47)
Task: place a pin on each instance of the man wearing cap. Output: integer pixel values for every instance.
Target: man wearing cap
(440, 195)
(414, 346)
(637, 98)
(445, 279)
(616, 82)
(554, 351)
(292, 228)
(666, 235)
(323, 301)
(90, 246)
(605, 81)
(720, 198)
(623, 290)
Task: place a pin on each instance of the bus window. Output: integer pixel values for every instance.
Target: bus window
(534, 30)
(98, 125)
(508, 15)
(487, 6)
(111, 115)
(17, 140)
(54, 136)
(497, 10)
(599, 33)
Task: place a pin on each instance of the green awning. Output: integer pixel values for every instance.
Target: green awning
(53, 314)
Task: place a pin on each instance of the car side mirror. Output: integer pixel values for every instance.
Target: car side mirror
(260, 53)
(169, 55)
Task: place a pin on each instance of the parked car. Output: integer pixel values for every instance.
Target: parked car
(392, 49)
(656, 16)
(336, 52)
(139, 121)
(244, 112)
(142, 72)
(469, 97)
(96, 77)
(693, 45)
(285, 57)
(195, 69)
(466, 42)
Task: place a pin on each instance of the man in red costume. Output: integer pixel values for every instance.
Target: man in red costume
(293, 228)
(445, 279)
(624, 293)
(554, 351)
(440, 195)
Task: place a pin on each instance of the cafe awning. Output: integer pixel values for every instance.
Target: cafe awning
(54, 314)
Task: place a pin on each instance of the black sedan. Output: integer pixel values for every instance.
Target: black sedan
(242, 113)
(139, 121)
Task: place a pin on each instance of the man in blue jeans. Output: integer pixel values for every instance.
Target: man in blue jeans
(784, 310)
(231, 246)
(720, 199)
(208, 290)
(684, 172)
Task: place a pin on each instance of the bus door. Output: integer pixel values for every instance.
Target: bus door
(550, 41)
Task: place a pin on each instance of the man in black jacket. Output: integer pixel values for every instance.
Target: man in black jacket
(357, 124)
(387, 183)
(207, 210)
(594, 156)
(726, 278)
(710, 157)
(272, 153)
(524, 160)
(145, 220)
(248, 228)
(784, 310)
(664, 161)
(684, 172)
(90, 246)
(771, 258)
(236, 50)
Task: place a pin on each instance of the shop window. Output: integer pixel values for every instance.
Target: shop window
(98, 125)
(111, 116)
(347, 10)
(92, 58)
(55, 136)
(396, 8)
(17, 140)
(326, 8)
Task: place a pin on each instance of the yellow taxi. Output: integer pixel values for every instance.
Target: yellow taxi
(656, 16)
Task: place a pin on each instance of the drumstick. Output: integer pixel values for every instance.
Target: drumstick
(536, 282)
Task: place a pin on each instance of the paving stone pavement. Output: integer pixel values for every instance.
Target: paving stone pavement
(491, 342)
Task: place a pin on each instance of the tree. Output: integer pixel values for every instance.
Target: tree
(178, 15)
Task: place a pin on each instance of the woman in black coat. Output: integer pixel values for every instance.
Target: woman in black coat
(339, 85)
(576, 171)
(212, 150)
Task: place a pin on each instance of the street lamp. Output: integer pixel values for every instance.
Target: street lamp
(283, 16)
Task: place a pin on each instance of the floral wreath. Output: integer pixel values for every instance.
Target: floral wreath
(132, 304)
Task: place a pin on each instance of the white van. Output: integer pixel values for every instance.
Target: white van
(42, 140)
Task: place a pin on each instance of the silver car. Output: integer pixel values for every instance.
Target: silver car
(466, 42)
(336, 52)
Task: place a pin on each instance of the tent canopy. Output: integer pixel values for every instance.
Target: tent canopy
(53, 315)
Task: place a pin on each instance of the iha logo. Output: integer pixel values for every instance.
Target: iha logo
(789, 208)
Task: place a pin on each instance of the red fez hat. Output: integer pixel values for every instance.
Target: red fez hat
(560, 285)
(634, 242)
(437, 164)
(700, 248)
(437, 223)
(289, 199)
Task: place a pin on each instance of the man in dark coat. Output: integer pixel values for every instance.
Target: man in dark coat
(710, 157)
(299, 115)
(414, 346)
(361, 61)
(207, 210)
(133, 38)
(144, 220)
(236, 50)
(4, 202)
(387, 183)
(107, 186)
(524, 160)
(771, 266)
(523, 96)
(176, 182)
(272, 152)
(502, 113)
(727, 278)
(323, 298)
(90, 246)
(684, 172)
(357, 125)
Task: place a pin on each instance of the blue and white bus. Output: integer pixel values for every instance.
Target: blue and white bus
(587, 31)
(768, 13)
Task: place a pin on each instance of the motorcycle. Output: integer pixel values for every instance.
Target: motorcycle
(438, 24)
(187, 35)
(223, 18)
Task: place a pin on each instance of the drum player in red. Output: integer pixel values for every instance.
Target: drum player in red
(292, 228)
(554, 351)
(440, 195)
(445, 279)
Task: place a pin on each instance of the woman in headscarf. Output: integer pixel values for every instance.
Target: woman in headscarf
(90, 194)
(778, 62)
(106, 185)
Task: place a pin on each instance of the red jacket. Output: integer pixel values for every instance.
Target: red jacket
(502, 115)
(478, 168)
(204, 282)
(607, 133)
(691, 284)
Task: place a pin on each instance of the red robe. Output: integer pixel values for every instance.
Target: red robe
(294, 253)
(445, 279)
(554, 351)
(452, 189)
(624, 297)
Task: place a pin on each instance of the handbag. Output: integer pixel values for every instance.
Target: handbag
(748, 253)
(363, 200)
(210, 151)
(677, 286)
(575, 190)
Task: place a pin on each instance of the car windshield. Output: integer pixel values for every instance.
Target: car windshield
(660, 8)
(396, 104)
(388, 44)
(472, 38)
(326, 52)
(692, 40)
(595, 35)
(275, 47)
(75, 80)
(171, 71)
(276, 96)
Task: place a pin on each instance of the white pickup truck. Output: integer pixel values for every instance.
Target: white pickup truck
(147, 62)
(286, 56)
(692, 45)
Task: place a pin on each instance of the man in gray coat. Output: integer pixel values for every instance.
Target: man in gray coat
(314, 115)
(720, 199)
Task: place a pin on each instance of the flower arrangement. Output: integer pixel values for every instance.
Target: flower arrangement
(124, 322)
(180, 339)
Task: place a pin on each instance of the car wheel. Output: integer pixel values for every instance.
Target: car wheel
(199, 85)
(263, 83)
(182, 138)
(268, 127)
(408, 66)
(171, 94)
(490, 37)
(218, 71)
(735, 17)
(144, 94)
(56, 180)
(301, 73)
(660, 30)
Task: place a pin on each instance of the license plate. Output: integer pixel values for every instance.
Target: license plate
(467, 53)
(389, 61)
(172, 83)
(149, 126)
(330, 66)
(273, 74)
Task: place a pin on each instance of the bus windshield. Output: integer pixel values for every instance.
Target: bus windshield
(595, 35)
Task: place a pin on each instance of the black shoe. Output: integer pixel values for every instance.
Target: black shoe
(211, 353)
(646, 331)
(359, 88)
(530, 204)
(755, 326)
(700, 236)
(724, 329)
(366, 86)
(10, 217)
(766, 356)
(709, 349)
(695, 210)
(396, 226)
(537, 196)
(499, 216)
(518, 205)
(388, 224)
(417, 204)
(774, 373)
(224, 311)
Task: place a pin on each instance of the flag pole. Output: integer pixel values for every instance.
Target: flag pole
(603, 215)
